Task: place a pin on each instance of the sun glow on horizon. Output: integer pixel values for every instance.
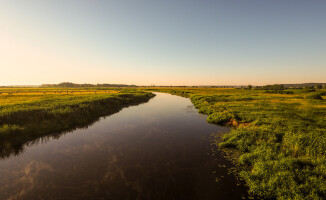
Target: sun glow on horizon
(161, 43)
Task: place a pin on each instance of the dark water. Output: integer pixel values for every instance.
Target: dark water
(157, 150)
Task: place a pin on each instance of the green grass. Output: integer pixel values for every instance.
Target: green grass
(30, 114)
(280, 137)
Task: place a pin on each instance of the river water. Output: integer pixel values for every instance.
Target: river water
(157, 150)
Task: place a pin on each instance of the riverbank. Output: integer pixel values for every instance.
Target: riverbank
(280, 137)
(157, 150)
(29, 114)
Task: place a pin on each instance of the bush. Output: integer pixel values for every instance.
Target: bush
(278, 92)
(314, 96)
(273, 87)
(323, 93)
(309, 90)
(220, 118)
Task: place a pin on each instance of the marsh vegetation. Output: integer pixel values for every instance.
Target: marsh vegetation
(30, 114)
(157, 150)
(279, 135)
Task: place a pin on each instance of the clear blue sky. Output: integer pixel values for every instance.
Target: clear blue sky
(170, 42)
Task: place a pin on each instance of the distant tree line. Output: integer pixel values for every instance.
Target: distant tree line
(310, 86)
(75, 85)
(279, 87)
(306, 85)
(273, 87)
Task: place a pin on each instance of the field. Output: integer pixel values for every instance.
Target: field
(29, 114)
(280, 136)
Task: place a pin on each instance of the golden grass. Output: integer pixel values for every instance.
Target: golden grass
(10, 96)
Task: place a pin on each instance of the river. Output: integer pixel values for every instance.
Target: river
(157, 150)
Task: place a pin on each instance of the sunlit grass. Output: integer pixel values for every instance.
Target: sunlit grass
(33, 113)
(27, 95)
(281, 138)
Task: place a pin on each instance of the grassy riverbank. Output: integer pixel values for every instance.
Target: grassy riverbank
(279, 135)
(29, 114)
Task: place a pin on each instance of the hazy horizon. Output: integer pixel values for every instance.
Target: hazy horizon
(162, 42)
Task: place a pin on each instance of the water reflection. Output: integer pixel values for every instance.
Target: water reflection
(53, 128)
(158, 150)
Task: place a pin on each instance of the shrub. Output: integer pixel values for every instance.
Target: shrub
(278, 92)
(314, 96)
(220, 118)
(323, 93)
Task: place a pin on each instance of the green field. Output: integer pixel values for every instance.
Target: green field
(27, 114)
(279, 136)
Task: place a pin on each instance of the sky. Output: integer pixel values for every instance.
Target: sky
(170, 42)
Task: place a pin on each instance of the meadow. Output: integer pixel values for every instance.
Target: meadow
(278, 136)
(29, 114)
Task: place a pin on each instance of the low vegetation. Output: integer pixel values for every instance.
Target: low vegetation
(280, 137)
(314, 96)
(29, 114)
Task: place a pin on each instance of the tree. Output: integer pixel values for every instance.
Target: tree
(318, 86)
(249, 87)
(274, 87)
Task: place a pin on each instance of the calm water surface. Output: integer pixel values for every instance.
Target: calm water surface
(157, 150)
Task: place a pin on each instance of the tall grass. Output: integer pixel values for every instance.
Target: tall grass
(26, 121)
(280, 136)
